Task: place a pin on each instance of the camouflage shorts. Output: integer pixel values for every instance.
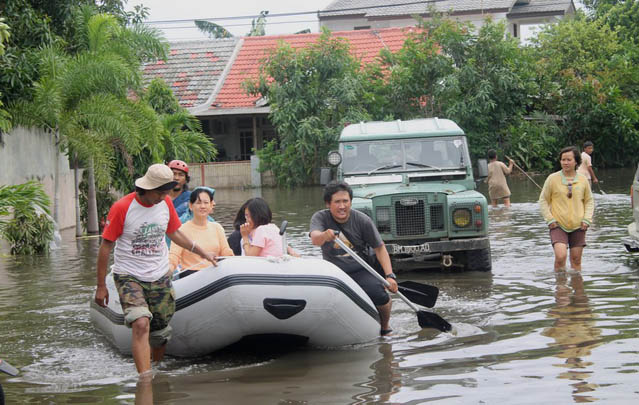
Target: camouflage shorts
(144, 298)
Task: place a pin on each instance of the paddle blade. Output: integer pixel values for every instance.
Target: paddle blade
(8, 368)
(421, 294)
(432, 320)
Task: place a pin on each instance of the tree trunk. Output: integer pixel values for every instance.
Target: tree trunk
(92, 214)
(76, 178)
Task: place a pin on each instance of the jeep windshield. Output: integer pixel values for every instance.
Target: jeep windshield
(418, 154)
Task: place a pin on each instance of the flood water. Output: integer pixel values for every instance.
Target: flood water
(522, 334)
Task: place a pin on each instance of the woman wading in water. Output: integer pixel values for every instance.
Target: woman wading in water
(567, 207)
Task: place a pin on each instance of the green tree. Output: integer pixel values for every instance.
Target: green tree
(478, 78)
(212, 29)
(258, 25)
(180, 137)
(38, 24)
(623, 17)
(313, 93)
(83, 99)
(587, 76)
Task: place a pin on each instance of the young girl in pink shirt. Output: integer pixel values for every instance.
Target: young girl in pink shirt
(259, 236)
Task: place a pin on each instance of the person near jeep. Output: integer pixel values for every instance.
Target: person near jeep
(497, 185)
(567, 206)
(355, 229)
(585, 167)
(135, 228)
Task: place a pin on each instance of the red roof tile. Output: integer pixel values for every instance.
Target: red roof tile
(193, 69)
(364, 44)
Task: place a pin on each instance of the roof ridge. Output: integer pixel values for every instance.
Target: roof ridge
(221, 79)
(316, 34)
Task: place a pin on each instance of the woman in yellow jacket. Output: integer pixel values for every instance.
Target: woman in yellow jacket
(567, 206)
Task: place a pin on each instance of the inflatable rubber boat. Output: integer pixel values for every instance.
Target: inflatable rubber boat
(248, 296)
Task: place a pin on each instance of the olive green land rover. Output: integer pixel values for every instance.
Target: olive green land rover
(414, 179)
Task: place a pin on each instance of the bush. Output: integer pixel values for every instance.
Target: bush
(534, 145)
(29, 232)
(24, 218)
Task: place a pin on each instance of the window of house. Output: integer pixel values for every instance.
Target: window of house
(362, 27)
(246, 144)
(206, 127)
(220, 126)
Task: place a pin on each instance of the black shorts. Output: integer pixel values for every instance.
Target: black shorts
(371, 286)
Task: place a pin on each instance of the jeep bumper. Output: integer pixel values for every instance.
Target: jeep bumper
(439, 246)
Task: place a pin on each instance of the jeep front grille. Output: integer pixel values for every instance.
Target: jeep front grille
(366, 211)
(410, 219)
(437, 218)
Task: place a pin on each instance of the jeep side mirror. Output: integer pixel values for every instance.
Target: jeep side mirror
(482, 168)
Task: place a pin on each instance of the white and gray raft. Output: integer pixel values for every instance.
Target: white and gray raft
(248, 296)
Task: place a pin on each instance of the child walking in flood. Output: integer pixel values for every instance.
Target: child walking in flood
(497, 185)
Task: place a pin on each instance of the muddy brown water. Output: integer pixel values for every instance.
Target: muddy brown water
(523, 334)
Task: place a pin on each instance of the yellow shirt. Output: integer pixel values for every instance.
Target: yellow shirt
(569, 213)
(210, 237)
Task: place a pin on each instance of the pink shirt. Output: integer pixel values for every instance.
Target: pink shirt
(268, 238)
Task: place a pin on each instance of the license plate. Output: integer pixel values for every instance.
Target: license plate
(423, 248)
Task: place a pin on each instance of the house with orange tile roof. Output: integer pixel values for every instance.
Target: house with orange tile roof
(208, 76)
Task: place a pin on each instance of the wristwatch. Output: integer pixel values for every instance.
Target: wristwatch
(391, 275)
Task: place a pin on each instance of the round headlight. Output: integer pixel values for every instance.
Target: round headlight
(462, 217)
(334, 158)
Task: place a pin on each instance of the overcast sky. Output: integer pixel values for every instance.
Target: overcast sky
(167, 10)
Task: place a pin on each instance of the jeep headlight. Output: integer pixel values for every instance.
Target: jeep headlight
(334, 158)
(383, 217)
(462, 217)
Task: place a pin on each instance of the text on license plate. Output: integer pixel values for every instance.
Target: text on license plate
(423, 248)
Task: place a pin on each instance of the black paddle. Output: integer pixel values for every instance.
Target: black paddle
(424, 318)
(421, 294)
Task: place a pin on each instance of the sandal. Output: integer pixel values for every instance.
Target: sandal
(385, 332)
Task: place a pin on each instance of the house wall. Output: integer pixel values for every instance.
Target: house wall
(528, 27)
(347, 24)
(234, 174)
(32, 155)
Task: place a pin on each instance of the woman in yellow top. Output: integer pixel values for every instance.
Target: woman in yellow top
(567, 206)
(209, 235)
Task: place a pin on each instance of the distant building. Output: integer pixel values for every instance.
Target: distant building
(523, 16)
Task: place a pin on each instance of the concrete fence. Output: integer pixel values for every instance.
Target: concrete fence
(33, 155)
(238, 174)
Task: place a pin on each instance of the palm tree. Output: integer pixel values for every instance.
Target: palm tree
(213, 30)
(5, 123)
(83, 99)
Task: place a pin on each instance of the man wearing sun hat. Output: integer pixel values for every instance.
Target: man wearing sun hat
(135, 227)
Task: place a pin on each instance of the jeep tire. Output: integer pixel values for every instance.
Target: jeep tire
(479, 260)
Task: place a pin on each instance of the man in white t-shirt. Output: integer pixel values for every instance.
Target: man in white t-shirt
(135, 228)
(586, 163)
